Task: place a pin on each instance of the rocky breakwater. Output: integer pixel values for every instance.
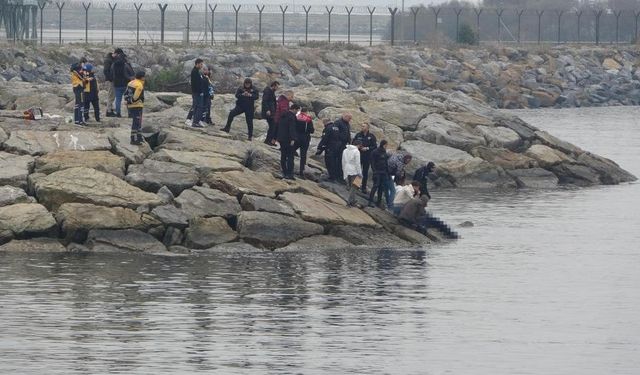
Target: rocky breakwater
(204, 190)
(563, 76)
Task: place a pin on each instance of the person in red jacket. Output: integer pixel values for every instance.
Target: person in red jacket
(282, 106)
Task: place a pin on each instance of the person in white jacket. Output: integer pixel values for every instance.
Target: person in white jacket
(351, 168)
(404, 193)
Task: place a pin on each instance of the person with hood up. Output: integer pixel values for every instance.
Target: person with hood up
(287, 134)
(422, 175)
(351, 168)
(246, 97)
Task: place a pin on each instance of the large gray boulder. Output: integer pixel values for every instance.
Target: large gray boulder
(404, 116)
(475, 173)
(204, 202)
(77, 219)
(120, 140)
(188, 140)
(204, 233)
(546, 156)
(237, 183)
(500, 136)
(86, 185)
(318, 243)
(504, 158)
(534, 178)
(171, 216)
(610, 173)
(151, 175)
(258, 203)
(368, 237)
(202, 161)
(24, 220)
(14, 169)
(274, 230)
(11, 195)
(31, 142)
(128, 240)
(575, 174)
(436, 129)
(318, 210)
(103, 161)
(36, 245)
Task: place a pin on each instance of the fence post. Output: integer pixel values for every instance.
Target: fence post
(213, 18)
(237, 10)
(284, 11)
(373, 10)
(597, 14)
(60, 6)
(329, 11)
(42, 4)
(260, 10)
(478, 12)
(436, 13)
(393, 12)
(559, 14)
(163, 8)
(306, 23)
(637, 15)
(499, 13)
(579, 14)
(113, 9)
(617, 13)
(138, 7)
(188, 9)
(86, 21)
(414, 12)
(539, 13)
(458, 12)
(349, 10)
(519, 13)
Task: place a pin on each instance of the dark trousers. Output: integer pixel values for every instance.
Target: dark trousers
(207, 110)
(198, 107)
(380, 186)
(78, 107)
(333, 161)
(89, 100)
(248, 115)
(365, 163)
(136, 123)
(271, 133)
(286, 159)
(303, 146)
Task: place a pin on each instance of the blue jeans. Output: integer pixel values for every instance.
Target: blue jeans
(390, 191)
(119, 94)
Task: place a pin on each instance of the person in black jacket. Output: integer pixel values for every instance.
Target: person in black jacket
(246, 97)
(381, 180)
(269, 110)
(122, 74)
(331, 144)
(422, 175)
(369, 143)
(304, 129)
(287, 136)
(199, 88)
(344, 123)
(108, 78)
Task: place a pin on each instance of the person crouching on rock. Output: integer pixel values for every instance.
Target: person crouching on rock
(404, 193)
(304, 129)
(422, 176)
(91, 93)
(352, 169)
(77, 83)
(397, 163)
(414, 216)
(287, 138)
(246, 97)
(135, 103)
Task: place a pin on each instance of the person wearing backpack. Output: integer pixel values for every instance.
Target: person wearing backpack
(108, 79)
(134, 95)
(77, 83)
(91, 93)
(122, 74)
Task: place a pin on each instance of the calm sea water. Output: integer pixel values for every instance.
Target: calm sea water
(545, 283)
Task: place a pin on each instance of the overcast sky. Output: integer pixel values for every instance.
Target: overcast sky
(377, 3)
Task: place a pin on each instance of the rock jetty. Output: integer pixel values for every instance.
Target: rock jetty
(187, 190)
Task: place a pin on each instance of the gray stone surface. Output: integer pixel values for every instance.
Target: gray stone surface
(258, 203)
(11, 195)
(534, 178)
(204, 233)
(204, 202)
(25, 220)
(100, 240)
(151, 175)
(274, 230)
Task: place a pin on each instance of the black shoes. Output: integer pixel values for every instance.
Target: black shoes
(226, 129)
(137, 141)
(111, 114)
(290, 178)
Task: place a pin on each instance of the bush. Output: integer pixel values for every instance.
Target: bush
(466, 35)
(168, 79)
